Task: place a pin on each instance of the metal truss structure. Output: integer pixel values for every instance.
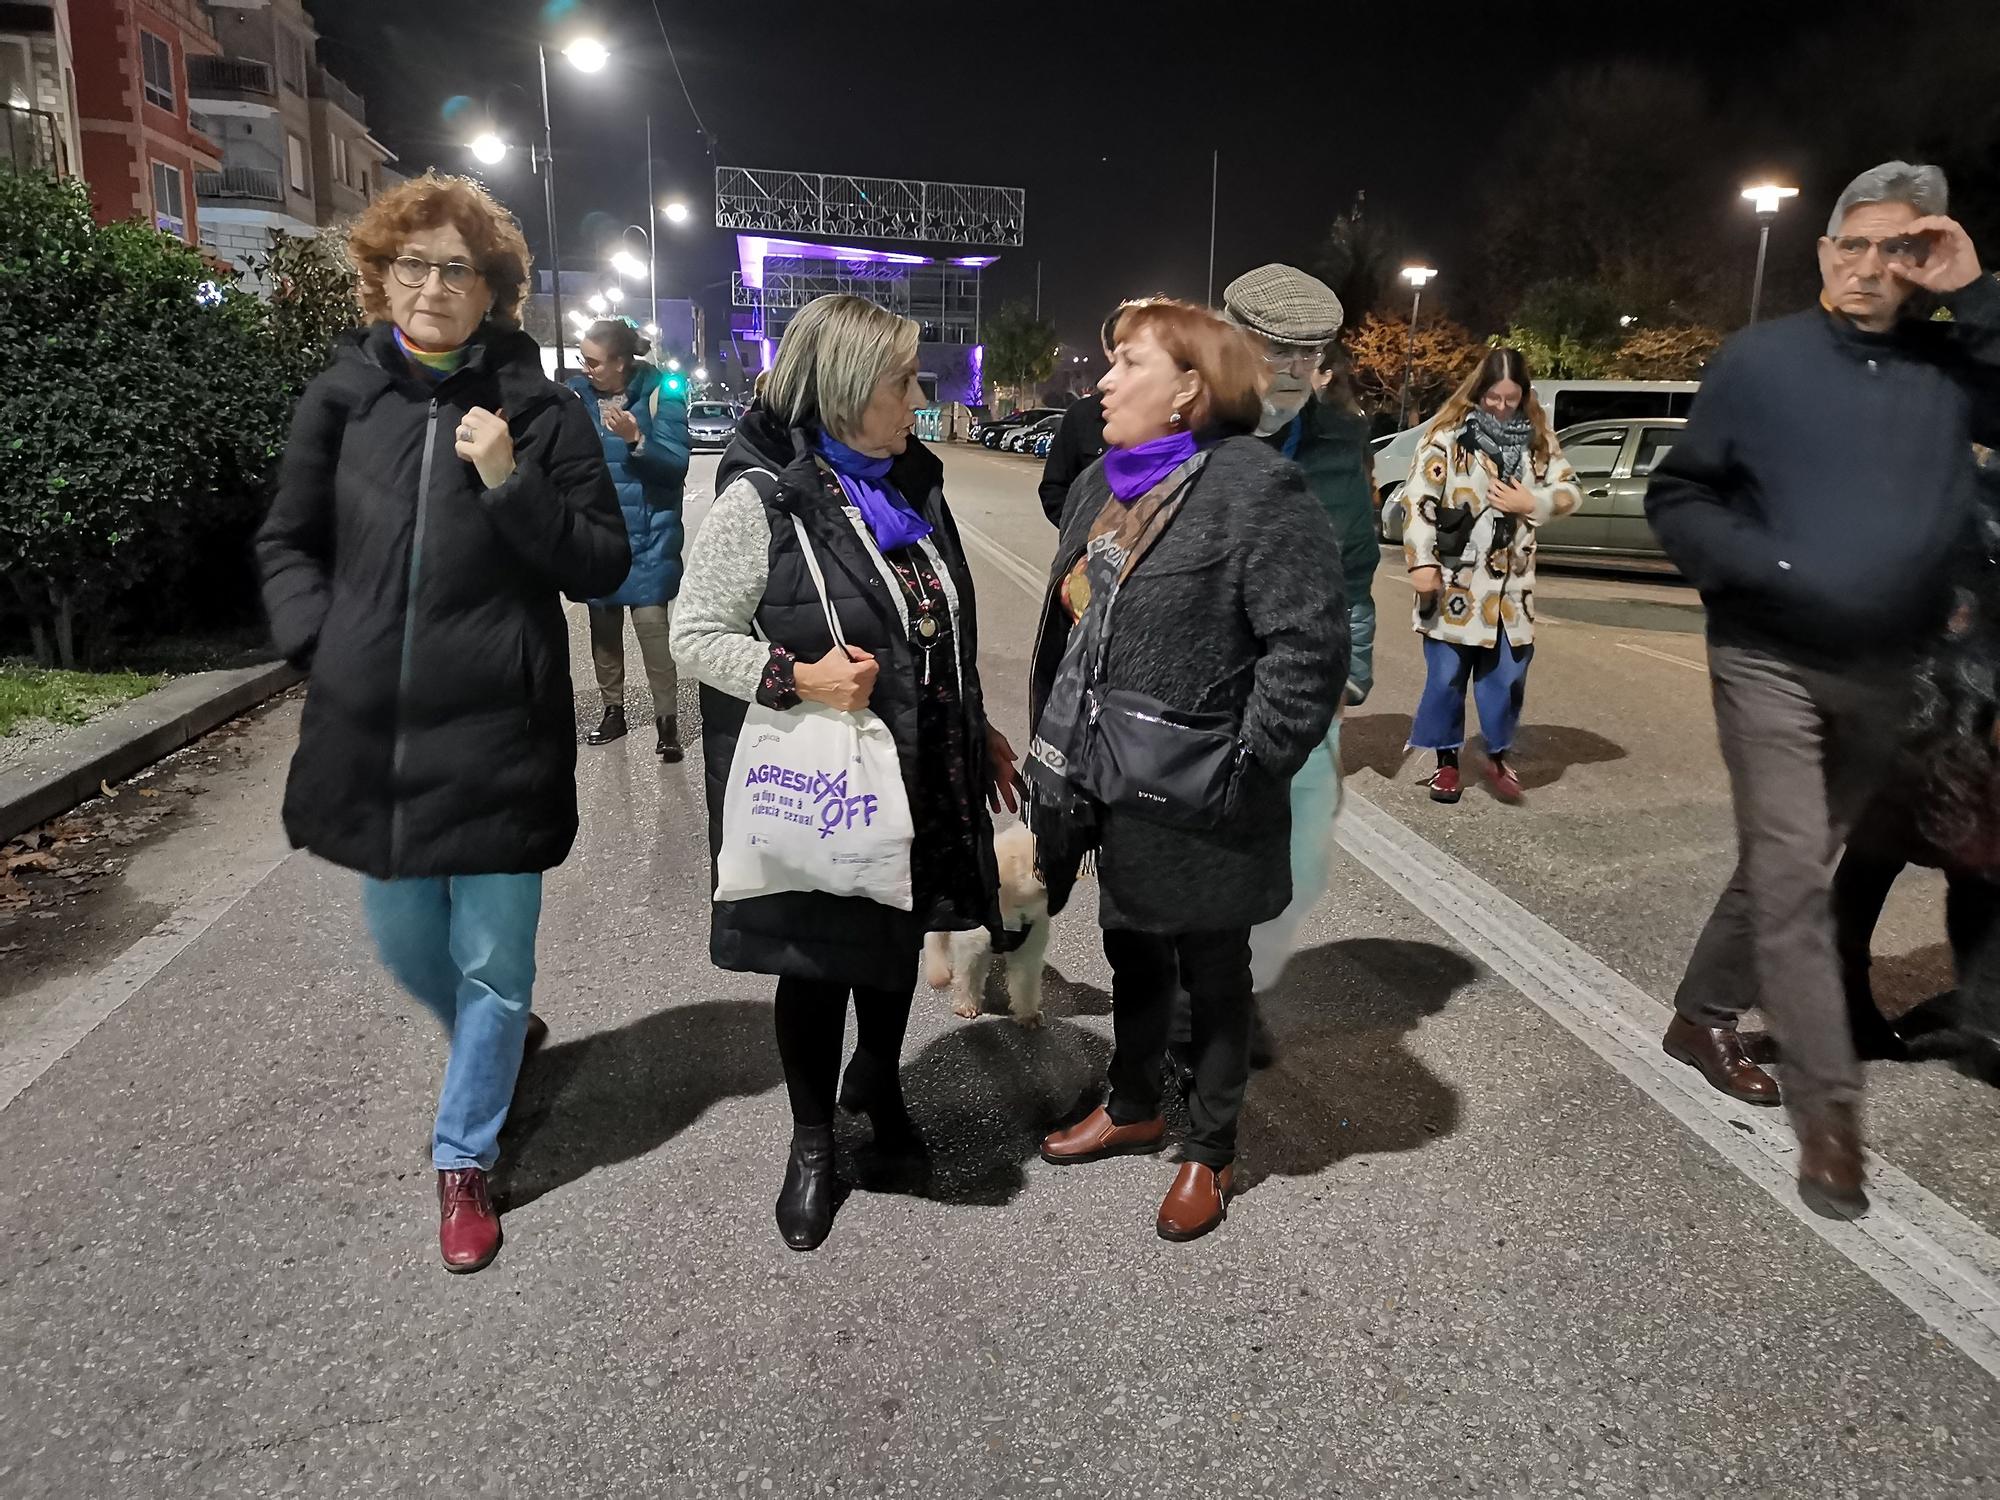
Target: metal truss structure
(878, 208)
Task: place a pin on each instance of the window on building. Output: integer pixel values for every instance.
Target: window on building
(292, 60)
(296, 160)
(169, 207)
(338, 142)
(156, 58)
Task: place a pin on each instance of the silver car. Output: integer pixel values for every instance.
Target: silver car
(1614, 462)
(712, 424)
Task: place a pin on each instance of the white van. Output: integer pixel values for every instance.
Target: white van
(1567, 403)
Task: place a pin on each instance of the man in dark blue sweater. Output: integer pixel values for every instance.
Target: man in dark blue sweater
(1818, 498)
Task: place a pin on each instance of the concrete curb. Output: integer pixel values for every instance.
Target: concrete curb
(67, 770)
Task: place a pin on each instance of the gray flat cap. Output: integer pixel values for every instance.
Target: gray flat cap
(1922, 187)
(1283, 303)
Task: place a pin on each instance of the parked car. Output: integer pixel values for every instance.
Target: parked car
(1614, 461)
(1018, 440)
(1042, 443)
(1567, 402)
(989, 432)
(712, 424)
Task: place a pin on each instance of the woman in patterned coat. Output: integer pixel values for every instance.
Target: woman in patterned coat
(1488, 474)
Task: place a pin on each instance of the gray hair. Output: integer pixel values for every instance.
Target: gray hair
(833, 355)
(1922, 187)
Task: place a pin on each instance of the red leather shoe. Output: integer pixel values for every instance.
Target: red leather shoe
(1504, 783)
(1196, 1203)
(1445, 785)
(468, 1228)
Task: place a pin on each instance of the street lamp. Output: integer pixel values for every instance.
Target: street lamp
(1765, 197)
(700, 373)
(1418, 277)
(587, 54)
(489, 149)
(598, 305)
(676, 212)
(625, 263)
(614, 295)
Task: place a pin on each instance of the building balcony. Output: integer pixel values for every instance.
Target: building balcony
(34, 142)
(333, 91)
(238, 78)
(239, 185)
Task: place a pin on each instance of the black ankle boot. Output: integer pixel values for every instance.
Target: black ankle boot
(610, 727)
(871, 1089)
(805, 1202)
(670, 740)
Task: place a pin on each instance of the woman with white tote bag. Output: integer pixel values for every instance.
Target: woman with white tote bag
(828, 614)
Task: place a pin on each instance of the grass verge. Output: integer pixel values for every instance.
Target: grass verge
(64, 697)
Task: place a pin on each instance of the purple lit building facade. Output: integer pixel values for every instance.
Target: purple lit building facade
(942, 294)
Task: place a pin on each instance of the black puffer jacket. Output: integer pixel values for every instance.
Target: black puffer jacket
(439, 735)
(810, 935)
(1238, 608)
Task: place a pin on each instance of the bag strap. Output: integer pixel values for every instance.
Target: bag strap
(765, 483)
(1182, 480)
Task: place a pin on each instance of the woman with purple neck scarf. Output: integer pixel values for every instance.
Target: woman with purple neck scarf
(1227, 583)
(829, 444)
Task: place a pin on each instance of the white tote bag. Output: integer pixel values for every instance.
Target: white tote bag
(815, 800)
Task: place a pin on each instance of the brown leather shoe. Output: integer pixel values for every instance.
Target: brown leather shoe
(1095, 1137)
(1196, 1203)
(468, 1228)
(1718, 1052)
(1831, 1174)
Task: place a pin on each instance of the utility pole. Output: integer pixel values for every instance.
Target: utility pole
(652, 237)
(1214, 192)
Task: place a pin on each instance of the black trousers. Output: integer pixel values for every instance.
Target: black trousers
(1147, 972)
(1971, 922)
(812, 1019)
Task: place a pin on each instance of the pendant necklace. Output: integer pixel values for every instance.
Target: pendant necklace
(924, 626)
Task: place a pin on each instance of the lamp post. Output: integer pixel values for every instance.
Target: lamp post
(1418, 277)
(1765, 197)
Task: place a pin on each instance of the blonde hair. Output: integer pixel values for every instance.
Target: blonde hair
(833, 355)
(1500, 363)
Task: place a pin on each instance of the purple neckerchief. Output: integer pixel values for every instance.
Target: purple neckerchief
(1134, 471)
(890, 520)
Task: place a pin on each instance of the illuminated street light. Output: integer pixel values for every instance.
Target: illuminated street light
(651, 330)
(673, 364)
(489, 149)
(1418, 277)
(1765, 197)
(676, 212)
(614, 294)
(625, 263)
(598, 305)
(700, 372)
(587, 54)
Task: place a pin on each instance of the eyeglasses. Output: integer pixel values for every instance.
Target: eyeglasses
(1895, 249)
(1292, 359)
(415, 273)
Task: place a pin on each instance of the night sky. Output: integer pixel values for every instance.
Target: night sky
(1106, 114)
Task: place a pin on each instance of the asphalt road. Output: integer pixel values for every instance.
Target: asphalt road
(1493, 1243)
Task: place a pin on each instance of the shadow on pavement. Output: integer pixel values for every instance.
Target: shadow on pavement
(1345, 1084)
(984, 1094)
(1627, 614)
(609, 1097)
(1546, 751)
(1374, 742)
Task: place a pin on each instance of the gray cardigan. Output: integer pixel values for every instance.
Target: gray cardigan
(1239, 607)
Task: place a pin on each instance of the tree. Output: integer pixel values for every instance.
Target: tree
(1379, 348)
(1020, 350)
(1359, 259)
(1676, 353)
(312, 302)
(1567, 329)
(145, 399)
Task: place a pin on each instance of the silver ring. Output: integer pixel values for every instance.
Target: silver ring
(465, 434)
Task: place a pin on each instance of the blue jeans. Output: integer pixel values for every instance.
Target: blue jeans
(1499, 676)
(464, 945)
(1360, 651)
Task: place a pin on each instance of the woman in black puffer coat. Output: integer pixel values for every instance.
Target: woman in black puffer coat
(438, 495)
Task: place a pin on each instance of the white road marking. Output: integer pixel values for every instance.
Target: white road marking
(1940, 1264)
(1679, 661)
(1034, 580)
(98, 998)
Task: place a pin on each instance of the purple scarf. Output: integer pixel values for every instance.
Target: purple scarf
(1134, 471)
(890, 520)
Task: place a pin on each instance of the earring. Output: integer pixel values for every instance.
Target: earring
(1174, 420)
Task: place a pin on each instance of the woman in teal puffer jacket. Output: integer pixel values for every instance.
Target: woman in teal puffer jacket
(643, 426)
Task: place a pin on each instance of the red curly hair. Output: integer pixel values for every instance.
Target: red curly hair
(430, 202)
(1233, 376)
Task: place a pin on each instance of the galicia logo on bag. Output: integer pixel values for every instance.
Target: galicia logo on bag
(832, 808)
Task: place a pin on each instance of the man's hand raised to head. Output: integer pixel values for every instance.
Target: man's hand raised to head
(1952, 265)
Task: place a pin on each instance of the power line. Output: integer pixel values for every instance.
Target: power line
(700, 124)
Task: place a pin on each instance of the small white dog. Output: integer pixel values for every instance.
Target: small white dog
(959, 961)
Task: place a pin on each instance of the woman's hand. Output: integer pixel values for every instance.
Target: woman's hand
(621, 425)
(1511, 498)
(484, 442)
(1426, 580)
(1006, 787)
(842, 680)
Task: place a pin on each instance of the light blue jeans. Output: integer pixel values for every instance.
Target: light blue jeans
(464, 945)
(1360, 652)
